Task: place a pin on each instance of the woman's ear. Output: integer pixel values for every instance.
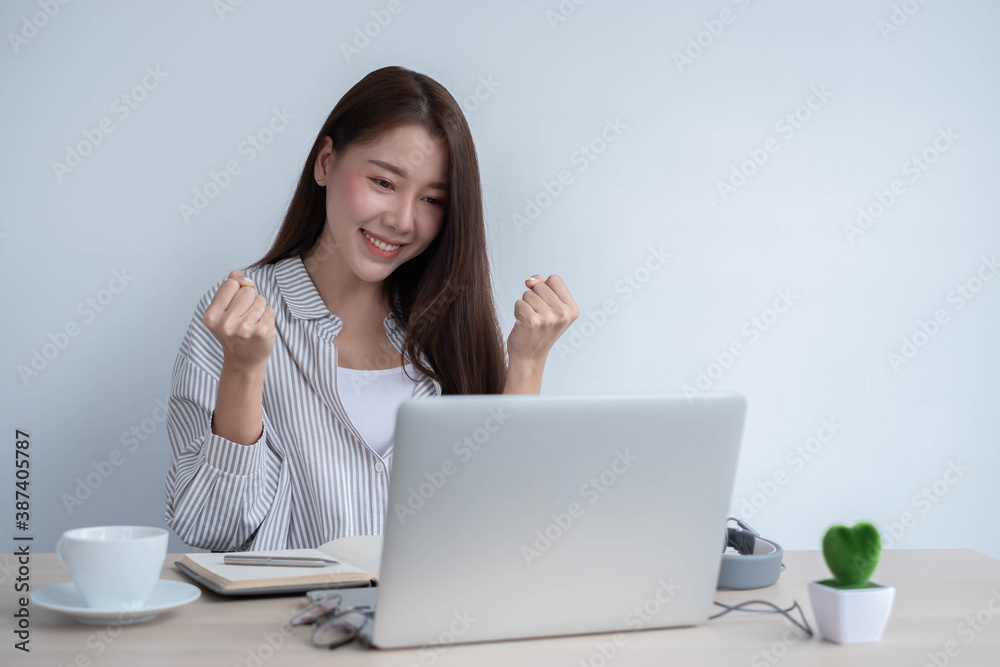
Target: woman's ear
(324, 160)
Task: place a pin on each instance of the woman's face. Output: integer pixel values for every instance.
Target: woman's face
(385, 202)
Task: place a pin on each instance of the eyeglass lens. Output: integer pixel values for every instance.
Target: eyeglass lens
(339, 629)
(317, 609)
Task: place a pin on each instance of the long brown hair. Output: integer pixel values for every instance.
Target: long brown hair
(444, 295)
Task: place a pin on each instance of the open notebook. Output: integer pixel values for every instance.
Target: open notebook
(359, 557)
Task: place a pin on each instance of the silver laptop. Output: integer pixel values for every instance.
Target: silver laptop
(514, 516)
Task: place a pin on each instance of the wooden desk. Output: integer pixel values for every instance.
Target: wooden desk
(939, 594)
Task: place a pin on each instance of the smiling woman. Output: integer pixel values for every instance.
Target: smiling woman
(383, 201)
(376, 290)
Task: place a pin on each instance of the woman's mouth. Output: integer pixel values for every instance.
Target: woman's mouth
(380, 248)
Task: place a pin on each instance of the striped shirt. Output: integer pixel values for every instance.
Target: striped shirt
(311, 477)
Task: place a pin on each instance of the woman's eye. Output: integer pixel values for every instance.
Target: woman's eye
(432, 200)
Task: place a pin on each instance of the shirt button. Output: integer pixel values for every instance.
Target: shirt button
(379, 467)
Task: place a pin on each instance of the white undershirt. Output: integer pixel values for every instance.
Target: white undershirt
(372, 399)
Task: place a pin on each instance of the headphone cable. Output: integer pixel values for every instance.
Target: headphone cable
(804, 626)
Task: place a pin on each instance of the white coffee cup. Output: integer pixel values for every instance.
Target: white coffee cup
(114, 567)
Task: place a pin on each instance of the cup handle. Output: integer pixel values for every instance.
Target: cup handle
(59, 553)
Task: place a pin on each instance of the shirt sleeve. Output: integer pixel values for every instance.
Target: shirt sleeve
(217, 491)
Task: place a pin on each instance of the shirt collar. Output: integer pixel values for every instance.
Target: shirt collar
(298, 290)
(304, 302)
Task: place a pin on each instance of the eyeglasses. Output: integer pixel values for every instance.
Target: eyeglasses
(335, 625)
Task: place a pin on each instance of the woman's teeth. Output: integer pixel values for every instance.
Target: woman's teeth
(378, 244)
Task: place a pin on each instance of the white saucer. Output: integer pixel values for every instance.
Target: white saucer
(66, 598)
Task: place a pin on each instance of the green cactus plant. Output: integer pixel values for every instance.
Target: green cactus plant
(852, 554)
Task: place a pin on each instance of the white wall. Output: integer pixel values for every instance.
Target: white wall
(684, 127)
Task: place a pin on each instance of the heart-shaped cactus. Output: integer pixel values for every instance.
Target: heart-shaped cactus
(852, 554)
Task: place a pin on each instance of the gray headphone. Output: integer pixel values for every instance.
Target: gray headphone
(758, 563)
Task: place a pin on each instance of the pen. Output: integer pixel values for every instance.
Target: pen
(289, 561)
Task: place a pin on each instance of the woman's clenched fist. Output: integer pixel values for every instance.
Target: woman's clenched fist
(242, 322)
(541, 316)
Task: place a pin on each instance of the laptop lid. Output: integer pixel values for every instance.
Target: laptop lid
(514, 516)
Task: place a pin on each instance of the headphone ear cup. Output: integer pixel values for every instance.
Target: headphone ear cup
(747, 569)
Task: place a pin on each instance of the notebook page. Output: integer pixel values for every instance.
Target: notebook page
(213, 562)
(364, 551)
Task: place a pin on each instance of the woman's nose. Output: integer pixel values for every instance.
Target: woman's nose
(401, 216)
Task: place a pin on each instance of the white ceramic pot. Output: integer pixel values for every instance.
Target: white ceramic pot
(851, 615)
